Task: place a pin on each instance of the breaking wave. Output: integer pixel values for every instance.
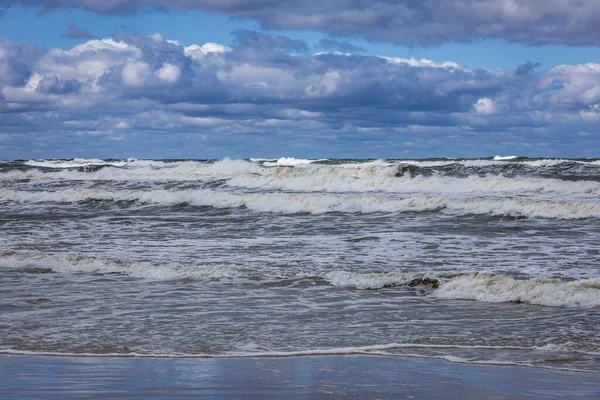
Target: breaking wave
(481, 287)
(318, 203)
(442, 285)
(331, 170)
(395, 179)
(74, 163)
(73, 263)
(540, 291)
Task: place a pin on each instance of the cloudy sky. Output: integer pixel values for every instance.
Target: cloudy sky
(302, 78)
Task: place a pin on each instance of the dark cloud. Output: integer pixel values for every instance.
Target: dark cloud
(526, 68)
(344, 46)
(16, 62)
(54, 85)
(112, 6)
(75, 32)
(398, 21)
(260, 40)
(126, 85)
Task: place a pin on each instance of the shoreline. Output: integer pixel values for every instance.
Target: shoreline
(292, 355)
(310, 376)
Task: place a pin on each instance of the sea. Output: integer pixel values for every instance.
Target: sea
(482, 261)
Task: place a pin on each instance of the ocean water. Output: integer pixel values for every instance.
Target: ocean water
(491, 261)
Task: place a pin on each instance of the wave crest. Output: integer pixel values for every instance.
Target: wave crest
(318, 203)
(539, 291)
(439, 284)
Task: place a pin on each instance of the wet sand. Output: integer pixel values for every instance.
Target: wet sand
(319, 377)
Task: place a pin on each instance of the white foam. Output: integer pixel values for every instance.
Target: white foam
(381, 178)
(369, 280)
(444, 284)
(138, 170)
(499, 160)
(540, 291)
(502, 158)
(72, 263)
(305, 175)
(74, 163)
(482, 287)
(377, 349)
(369, 350)
(257, 160)
(318, 203)
(289, 162)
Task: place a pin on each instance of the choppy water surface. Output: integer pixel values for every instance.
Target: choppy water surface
(481, 261)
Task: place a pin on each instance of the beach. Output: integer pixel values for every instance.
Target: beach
(310, 377)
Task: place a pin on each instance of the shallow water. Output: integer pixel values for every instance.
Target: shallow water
(478, 261)
(348, 377)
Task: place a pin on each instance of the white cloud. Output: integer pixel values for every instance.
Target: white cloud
(485, 106)
(258, 76)
(200, 121)
(423, 62)
(87, 62)
(122, 84)
(199, 52)
(33, 83)
(169, 73)
(157, 37)
(135, 74)
(211, 47)
(573, 84)
(591, 114)
(99, 45)
(323, 85)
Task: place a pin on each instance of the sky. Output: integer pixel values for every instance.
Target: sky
(303, 78)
